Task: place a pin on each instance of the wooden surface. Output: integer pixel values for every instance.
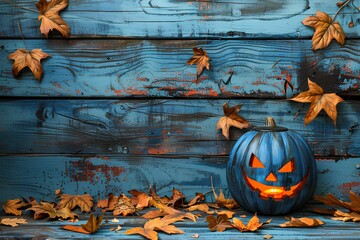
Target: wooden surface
(118, 108)
(176, 19)
(42, 229)
(156, 68)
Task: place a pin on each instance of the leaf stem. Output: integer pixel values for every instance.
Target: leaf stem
(17, 5)
(340, 8)
(22, 36)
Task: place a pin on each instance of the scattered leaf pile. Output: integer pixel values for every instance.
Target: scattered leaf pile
(353, 207)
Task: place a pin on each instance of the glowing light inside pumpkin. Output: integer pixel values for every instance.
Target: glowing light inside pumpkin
(273, 191)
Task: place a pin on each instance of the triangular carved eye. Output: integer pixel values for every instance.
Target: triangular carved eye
(255, 162)
(288, 167)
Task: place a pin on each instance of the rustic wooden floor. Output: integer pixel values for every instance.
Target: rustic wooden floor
(45, 229)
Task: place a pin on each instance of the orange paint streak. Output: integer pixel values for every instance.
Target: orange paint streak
(346, 187)
(161, 150)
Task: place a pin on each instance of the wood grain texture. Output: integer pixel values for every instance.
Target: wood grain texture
(177, 19)
(99, 175)
(156, 68)
(160, 126)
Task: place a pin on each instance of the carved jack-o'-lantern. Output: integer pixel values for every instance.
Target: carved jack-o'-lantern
(271, 170)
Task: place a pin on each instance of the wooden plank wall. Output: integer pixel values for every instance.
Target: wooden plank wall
(118, 108)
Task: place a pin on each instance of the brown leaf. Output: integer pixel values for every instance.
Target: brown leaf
(85, 202)
(45, 209)
(267, 236)
(140, 199)
(109, 203)
(318, 101)
(221, 200)
(345, 217)
(73, 228)
(58, 192)
(199, 207)
(325, 30)
(154, 214)
(331, 200)
(93, 223)
(231, 119)
(220, 223)
(13, 206)
(302, 222)
(198, 198)
(173, 213)
(23, 58)
(124, 206)
(176, 196)
(201, 59)
(149, 234)
(253, 224)
(229, 214)
(49, 16)
(13, 222)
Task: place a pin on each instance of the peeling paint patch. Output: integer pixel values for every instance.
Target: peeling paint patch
(346, 187)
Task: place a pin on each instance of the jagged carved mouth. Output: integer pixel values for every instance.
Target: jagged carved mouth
(274, 192)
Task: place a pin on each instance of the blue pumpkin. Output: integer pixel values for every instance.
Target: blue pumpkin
(271, 170)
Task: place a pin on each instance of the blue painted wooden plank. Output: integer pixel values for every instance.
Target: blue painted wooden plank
(39, 176)
(239, 68)
(161, 126)
(177, 19)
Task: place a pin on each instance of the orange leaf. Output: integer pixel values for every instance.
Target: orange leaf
(353, 205)
(45, 209)
(220, 199)
(199, 207)
(229, 214)
(12, 206)
(92, 224)
(23, 58)
(199, 198)
(318, 101)
(75, 229)
(85, 202)
(140, 199)
(13, 222)
(176, 213)
(345, 217)
(325, 30)
(154, 214)
(231, 119)
(302, 222)
(149, 234)
(253, 224)
(109, 203)
(201, 59)
(124, 206)
(49, 16)
(220, 223)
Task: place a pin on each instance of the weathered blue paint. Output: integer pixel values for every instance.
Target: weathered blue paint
(142, 68)
(161, 126)
(177, 19)
(273, 147)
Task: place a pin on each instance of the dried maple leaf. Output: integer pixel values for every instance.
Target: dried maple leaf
(109, 203)
(345, 217)
(173, 213)
(85, 202)
(253, 224)
(140, 199)
(154, 214)
(13, 222)
(200, 197)
(45, 209)
(331, 200)
(150, 227)
(325, 30)
(91, 226)
(220, 199)
(200, 207)
(220, 223)
(302, 222)
(13, 206)
(124, 206)
(229, 214)
(31, 59)
(318, 101)
(176, 196)
(49, 16)
(231, 119)
(201, 59)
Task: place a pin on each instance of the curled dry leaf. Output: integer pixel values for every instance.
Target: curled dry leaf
(325, 30)
(109, 203)
(318, 100)
(222, 201)
(229, 214)
(220, 223)
(200, 197)
(13, 222)
(302, 222)
(231, 119)
(253, 224)
(331, 200)
(173, 213)
(91, 226)
(199, 207)
(345, 217)
(49, 16)
(140, 199)
(13, 206)
(45, 209)
(201, 59)
(85, 202)
(31, 59)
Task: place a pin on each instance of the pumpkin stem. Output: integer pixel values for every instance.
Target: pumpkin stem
(270, 122)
